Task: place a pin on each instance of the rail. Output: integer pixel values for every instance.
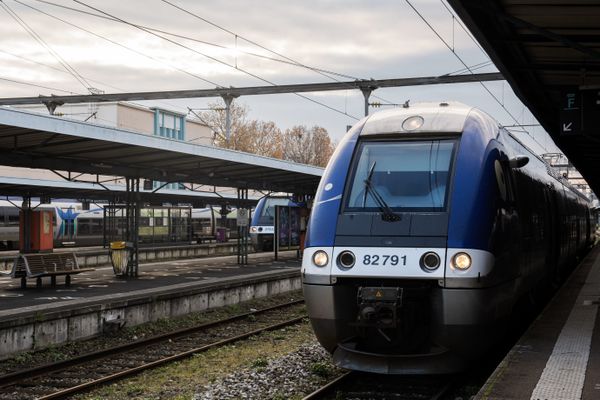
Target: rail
(172, 342)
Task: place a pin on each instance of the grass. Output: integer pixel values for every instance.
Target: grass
(182, 379)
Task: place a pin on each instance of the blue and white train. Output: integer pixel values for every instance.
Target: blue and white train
(262, 226)
(429, 223)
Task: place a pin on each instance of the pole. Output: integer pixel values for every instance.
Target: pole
(366, 91)
(228, 99)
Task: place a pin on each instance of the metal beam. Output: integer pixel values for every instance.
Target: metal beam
(256, 90)
(551, 35)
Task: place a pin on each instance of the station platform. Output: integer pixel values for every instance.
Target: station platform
(34, 318)
(558, 357)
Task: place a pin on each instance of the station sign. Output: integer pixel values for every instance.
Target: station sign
(580, 112)
(570, 113)
(242, 216)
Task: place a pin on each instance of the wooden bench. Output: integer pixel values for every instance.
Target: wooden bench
(50, 264)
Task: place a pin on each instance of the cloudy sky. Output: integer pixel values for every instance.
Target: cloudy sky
(353, 39)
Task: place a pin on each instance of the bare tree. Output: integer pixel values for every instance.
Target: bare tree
(307, 146)
(215, 119)
(299, 144)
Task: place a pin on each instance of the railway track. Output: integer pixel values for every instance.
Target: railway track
(357, 386)
(76, 375)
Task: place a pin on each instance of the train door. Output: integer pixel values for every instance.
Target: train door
(550, 232)
(68, 227)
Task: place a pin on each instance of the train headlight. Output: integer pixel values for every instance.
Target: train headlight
(430, 261)
(320, 258)
(461, 261)
(346, 259)
(253, 229)
(412, 123)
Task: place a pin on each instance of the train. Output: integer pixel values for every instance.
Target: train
(76, 226)
(430, 223)
(262, 228)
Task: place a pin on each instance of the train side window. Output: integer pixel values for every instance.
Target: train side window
(503, 178)
(12, 220)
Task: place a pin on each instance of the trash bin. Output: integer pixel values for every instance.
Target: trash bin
(221, 235)
(119, 257)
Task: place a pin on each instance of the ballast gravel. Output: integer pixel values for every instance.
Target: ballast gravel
(282, 378)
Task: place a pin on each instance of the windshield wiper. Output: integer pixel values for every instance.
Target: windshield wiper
(386, 212)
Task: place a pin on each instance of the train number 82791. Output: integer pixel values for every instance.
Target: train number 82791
(376, 259)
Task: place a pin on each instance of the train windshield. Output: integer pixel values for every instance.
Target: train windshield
(405, 175)
(267, 216)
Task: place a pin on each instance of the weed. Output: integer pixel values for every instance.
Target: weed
(320, 369)
(23, 358)
(260, 363)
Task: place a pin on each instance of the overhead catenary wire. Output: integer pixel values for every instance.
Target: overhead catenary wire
(455, 18)
(213, 58)
(35, 85)
(156, 32)
(43, 43)
(117, 20)
(63, 72)
(119, 44)
(325, 73)
(180, 36)
(287, 60)
(467, 67)
(103, 38)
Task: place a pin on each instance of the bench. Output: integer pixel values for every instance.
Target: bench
(50, 264)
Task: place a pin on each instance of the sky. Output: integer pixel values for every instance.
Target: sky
(378, 39)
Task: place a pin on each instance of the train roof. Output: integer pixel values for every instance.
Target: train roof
(434, 117)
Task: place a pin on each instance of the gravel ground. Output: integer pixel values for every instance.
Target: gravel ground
(291, 376)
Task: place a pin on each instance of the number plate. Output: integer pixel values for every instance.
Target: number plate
(384, 260)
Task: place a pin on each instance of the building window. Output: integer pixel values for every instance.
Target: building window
(169, 125)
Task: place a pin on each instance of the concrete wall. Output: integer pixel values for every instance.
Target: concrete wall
(83, 319)
(198, 133)
(134, 118)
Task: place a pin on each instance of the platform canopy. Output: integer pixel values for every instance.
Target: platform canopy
(42, 141)
(25, 187)
(549, 51)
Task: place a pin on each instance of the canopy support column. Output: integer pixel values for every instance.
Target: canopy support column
(242, 226)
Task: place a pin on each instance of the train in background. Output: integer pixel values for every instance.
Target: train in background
(429, 225)
(74, 226)
(262, 225)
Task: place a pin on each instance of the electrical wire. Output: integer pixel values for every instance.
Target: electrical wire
(467, 67)
(327, 73)
(212, 58)
(119, 44)
(455, 18)
(33, 84)
(65, 72)
(43, 43)
(180, 36)
(320, 71)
